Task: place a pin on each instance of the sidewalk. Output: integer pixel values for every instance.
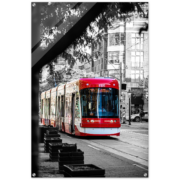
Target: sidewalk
(47, 168)
(135, 125)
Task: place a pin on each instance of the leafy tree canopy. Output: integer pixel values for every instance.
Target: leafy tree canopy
(57, 18)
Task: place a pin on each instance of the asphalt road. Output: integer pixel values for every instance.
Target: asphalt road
(123, 156)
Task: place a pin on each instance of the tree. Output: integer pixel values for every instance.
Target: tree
(57, 18)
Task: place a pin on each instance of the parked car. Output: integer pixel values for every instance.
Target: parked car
(145, 116)
(136, 117)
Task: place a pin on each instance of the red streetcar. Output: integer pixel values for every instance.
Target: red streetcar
(85, 107)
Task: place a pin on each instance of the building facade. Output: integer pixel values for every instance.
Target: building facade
(124, 47)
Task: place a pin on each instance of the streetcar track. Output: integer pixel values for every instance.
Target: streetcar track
(140, 167)
(110, 150)
(135, 132)
(115, 150)
(94, 147)
(134, 145)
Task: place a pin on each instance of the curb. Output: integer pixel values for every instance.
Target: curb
(135, 126)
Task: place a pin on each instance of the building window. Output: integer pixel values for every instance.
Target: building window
(137, 41)
(136, 75)
(116, 39)
(113, 57)
(137, 59)
(122, 56)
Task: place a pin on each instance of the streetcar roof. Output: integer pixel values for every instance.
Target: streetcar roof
(98, 82)
(97, 78)
(87, 79)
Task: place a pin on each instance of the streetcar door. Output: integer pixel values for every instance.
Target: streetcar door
(49, 111)
(45, 109)
(58, 114)
(62, 118)
(42, 110)
(73, 113)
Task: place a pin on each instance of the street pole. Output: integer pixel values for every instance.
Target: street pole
(103, 57)
(35, 120)
(120, 81)
(129, 110)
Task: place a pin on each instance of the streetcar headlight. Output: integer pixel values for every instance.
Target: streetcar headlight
(92, 120)
(87, 120)
(114, 120)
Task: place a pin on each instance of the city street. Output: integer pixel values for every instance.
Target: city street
(87, 60)
(124, 156)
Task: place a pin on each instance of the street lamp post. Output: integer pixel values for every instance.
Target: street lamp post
(129, 94)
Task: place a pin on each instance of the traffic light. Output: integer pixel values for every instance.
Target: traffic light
(123, 86)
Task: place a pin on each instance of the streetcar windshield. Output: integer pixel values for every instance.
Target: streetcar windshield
(100, 102)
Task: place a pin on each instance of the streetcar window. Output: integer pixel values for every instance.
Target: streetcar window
(58, 109)
(68, 107)
(42, 107)
(62, 106)
(46, 108)
(56, 106)
(100, 102)
(49, 106)
(77, 109)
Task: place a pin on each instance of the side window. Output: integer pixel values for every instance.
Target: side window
(56, 105)
(77, 107)
(46, 108)
(52, 105)
(62, 106)
(66, 106)
(42, 107)
(49, 106)
(69, 107)
(84, 105)
(58, 108)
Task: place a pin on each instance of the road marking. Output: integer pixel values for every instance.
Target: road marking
(69, 136)
(131, 132)
(140, 167)
(134, 129)
(121, 153)
(139, 134)
(144, 152)
(137, 150)
(144, 147)
(133, 148)
(93, 147)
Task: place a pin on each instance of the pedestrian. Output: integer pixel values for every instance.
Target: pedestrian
(124, 115)
(121, 111)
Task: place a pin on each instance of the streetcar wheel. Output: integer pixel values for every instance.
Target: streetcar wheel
(137, 119)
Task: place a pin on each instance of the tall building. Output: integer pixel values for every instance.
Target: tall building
(124, 45)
